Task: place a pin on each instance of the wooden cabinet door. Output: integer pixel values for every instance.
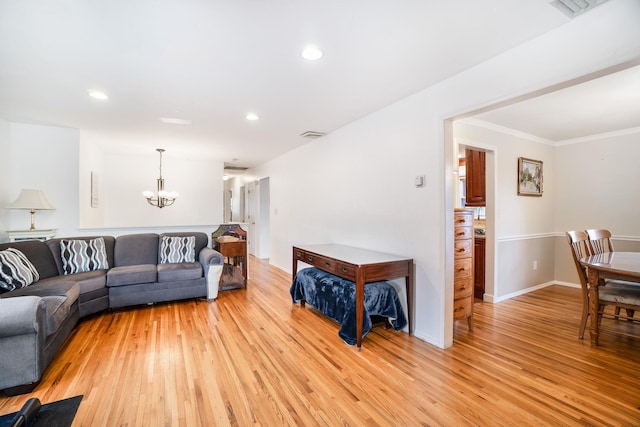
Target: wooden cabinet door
(476, 178)
(478, 268)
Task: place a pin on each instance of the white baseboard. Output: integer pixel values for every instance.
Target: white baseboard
(523, 291)
(569, 284)
(492, 299)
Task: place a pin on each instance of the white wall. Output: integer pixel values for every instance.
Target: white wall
(263, 244)
(355, 185)
(5, 178)
(45, 158)
(599, 186)
(125, 177)
(54, 160)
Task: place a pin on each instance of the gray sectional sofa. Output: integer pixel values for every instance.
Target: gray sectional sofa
(79, 276)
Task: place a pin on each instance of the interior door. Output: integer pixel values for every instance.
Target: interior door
(252, 212)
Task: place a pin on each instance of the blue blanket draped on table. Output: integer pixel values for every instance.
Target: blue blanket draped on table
(336, 298)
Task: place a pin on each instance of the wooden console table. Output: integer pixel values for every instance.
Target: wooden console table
(360, 266)
(234, 250)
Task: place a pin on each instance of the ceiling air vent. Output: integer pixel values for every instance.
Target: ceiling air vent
(573, 8)
(235, 168)
(312, 134)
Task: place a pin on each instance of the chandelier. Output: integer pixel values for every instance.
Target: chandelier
(161, 198)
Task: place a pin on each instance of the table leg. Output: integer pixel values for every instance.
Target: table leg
(409, 285)
(359, 307)
(594, 306)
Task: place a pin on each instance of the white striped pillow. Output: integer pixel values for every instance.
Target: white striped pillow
(79, 256)
(177, 249)
(16, 271)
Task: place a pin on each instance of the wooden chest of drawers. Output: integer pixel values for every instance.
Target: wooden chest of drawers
(463, 265)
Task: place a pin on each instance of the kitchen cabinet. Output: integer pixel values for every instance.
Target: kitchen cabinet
(478, 267)
(476, 191)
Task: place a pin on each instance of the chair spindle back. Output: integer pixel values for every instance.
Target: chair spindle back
(600, 241)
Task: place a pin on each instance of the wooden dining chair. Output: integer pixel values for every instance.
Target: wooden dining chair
(579, 242)
(627, 297)
(599, 242)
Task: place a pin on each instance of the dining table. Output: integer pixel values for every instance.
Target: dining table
(608, 265)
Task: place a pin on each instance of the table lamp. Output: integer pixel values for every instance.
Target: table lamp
(31, 200)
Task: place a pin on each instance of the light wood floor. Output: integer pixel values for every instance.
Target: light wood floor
(253, 358)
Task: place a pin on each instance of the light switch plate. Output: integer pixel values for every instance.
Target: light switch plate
(419, 181)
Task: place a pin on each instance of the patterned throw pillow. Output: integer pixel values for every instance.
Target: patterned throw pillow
(16, 271)
(177, 249)
(79, 256)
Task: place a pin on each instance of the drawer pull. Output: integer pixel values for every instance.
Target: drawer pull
(327, 264)
(310, 258)
(345, 270)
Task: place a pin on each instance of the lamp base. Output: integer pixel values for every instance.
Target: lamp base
(33, 216)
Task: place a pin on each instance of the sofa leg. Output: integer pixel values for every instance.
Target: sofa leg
(21, 389)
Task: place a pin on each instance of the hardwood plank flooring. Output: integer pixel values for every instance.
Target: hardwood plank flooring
(253, 358)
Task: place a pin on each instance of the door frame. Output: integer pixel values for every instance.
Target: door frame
(491, 180)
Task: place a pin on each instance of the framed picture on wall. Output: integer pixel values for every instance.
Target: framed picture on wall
(94, 190)
(529, 177)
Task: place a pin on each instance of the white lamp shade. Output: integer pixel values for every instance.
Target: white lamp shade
(31, 200)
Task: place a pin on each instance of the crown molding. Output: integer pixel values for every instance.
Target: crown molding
(507, 131)
(599, 136)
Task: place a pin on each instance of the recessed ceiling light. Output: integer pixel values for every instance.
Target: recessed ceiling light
(175, 121)
(252, 116)
(311, 53)
(97, 94)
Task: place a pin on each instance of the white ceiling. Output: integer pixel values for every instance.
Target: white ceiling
(213, 61)
(602, 105)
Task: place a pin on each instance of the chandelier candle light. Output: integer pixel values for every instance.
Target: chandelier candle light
(162, 198)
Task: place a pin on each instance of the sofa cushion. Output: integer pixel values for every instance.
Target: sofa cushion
(79, 256)
(135, 249)
(39, 255)
(16, 271)
(175, 249)
(176, 272)
(61, 288)
(131, 275)
(88, 281)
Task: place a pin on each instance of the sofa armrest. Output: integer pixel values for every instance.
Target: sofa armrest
(209, 257)
(21, 316)
(23, 328)
(212, 262)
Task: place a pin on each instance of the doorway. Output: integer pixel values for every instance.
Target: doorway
(258, 208)
(484, 218)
